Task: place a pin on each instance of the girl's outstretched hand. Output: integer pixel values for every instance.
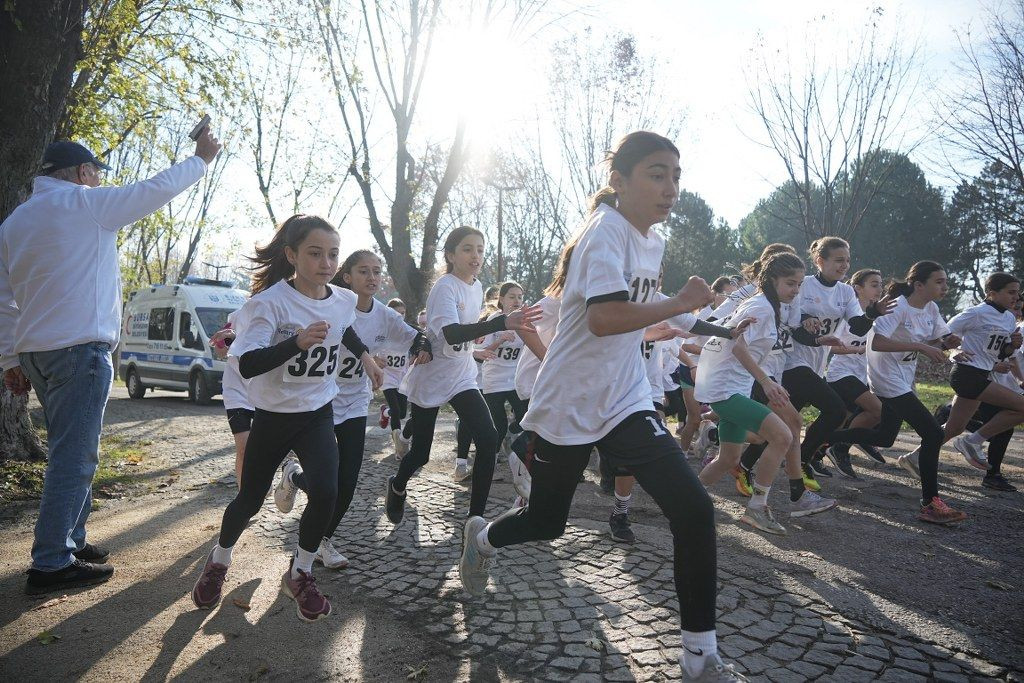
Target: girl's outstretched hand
(523, 318)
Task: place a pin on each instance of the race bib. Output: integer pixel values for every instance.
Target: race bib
(351, 370)
(312, 365)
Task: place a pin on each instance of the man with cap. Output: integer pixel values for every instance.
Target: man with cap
(60, 316)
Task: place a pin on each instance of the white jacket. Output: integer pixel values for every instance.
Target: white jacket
(60, 282)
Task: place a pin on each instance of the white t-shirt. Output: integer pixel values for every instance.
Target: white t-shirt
(500, 371)
(984, 330)
(234, 387)
(891, 373)
(307, 381)
(588, 384)
(529, 364)
(849, 364)
(735, 298)
(653, 355)
(831, 305)
(669, 363)
(453, 370)
(378, 327)
(721, 375)
(1008, 379)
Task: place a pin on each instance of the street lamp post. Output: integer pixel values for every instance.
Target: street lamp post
(502, 189)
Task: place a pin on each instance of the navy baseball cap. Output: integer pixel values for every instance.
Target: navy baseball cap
(65, 154)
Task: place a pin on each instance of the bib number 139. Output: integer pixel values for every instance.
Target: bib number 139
(312, 365)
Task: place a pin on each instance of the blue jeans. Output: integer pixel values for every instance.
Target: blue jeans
(72, 385)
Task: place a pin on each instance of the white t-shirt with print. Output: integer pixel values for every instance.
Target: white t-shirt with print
(587, 384)
(307, 381)
(721, 375)
(529, 364)
(891, 373)
(984, 330)
(500, 372)
(849, 364)
(670, 362)
(377, 328)
(831, 305)
(1008, 379)
(453, 370)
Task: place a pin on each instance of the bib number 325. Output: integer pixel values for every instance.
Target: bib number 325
(312, 365)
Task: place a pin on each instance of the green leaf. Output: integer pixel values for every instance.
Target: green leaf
(47, 638)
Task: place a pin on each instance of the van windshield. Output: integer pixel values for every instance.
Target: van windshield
(213, 319)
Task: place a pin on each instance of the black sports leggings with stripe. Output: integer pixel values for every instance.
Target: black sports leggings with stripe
(351, 438)
(476, 418)
(311, 436)
(398, 406)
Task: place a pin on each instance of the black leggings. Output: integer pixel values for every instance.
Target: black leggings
(398, 404)
(669, 481)
(496, 404)
(311, 436)
(807, 387)
(908, 407)
(351, 438)
(473, 416)
(674, 404)
(998, 443)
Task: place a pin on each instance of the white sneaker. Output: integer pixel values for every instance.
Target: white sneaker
(715, 670)
(284, 493)
(474, 566)
(908, 461)
(704, 444)
(973, 454)
(329, 557)
(810, 503)
(762, 519)
(401, 445)
(521, 479)
(506, 445)
(462, 471)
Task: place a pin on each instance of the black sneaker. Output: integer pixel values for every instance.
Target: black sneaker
(76, 574)
(394, 503)
(872, 452)
(841, 459)
(92, 553)
(620, 528)
(997, 483)
(819, 467)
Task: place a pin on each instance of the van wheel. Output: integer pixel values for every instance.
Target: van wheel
(199, 389)
(135, 387)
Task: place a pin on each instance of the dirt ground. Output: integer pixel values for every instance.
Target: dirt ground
(959, 588)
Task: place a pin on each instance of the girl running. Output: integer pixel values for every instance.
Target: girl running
(499, 376)
(914, 327)
(295, 326)
(395, 363)
(1010, 374)
(358, 377)
(453, 308)
(235, 391)
(591, 390)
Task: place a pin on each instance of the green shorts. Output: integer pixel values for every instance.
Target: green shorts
(739, 415)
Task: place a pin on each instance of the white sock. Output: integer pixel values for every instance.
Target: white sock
(484, 545)
(221, 555)
(462, 461)
(760, 496)
(622, 504)
(697, 647)
(303, 560)
(975, 439)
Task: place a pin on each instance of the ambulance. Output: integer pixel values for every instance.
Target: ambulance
(165, 340)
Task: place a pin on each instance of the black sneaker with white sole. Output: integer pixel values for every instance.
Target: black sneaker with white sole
(872, 452)
(394, 503)
(620, 530)
(840, 457)
(997, 482)
(75, 575)
(819, 467)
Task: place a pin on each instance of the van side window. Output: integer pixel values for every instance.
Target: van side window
(161, 324)
(188, 334)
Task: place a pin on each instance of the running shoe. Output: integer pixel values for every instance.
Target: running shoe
(872, 452)
(400, 443)
(394, 503)
(620, 529)
(284, 492)
(908, 461)
(506, 445)
(703, 443)
(810, 503)
(328, 555)
(997, 482)
(743, 483)
(385, 417)
(474, 566)
(310, 603)
(520, 476)
(810, 483)
(206, 592)
(937, 512)
(818, 465)
(709, 457)
(715, 671)
(841, 459)
(762, 519)
(973, 454)
(462, 470)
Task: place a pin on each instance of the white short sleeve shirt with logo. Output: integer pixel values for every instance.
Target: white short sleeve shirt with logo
(831, 305)
(984, 330)
(842, 365)
(234, 387)
(307, 381)
(499, 373)
(453, 370)
(529, 364)
(891, 373)
(376, 328)
(721, 375)
(588, 384)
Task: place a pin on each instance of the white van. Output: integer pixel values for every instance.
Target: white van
(165, 340)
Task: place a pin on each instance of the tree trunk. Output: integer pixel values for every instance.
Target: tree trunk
(40, 43)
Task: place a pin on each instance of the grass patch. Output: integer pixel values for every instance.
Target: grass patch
(118, 468)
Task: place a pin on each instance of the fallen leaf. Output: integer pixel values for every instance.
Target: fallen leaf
(47, 638)
(241, 604)
(595, 644)
(50, 603)
(416, 674)
(998, 585)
